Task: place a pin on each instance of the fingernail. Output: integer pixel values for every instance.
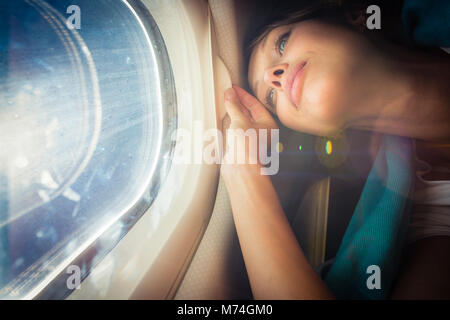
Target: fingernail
(230, 94)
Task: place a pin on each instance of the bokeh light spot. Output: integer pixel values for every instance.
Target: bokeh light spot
(280, 147)
(328, 147)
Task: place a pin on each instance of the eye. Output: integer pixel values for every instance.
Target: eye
(281, 42)
(269, 98)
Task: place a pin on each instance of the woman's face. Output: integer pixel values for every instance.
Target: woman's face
(311, 75)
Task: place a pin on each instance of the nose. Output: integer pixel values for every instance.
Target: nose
(274, 75)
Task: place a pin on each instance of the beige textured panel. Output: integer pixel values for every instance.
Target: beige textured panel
(228, 21)
(217, 270)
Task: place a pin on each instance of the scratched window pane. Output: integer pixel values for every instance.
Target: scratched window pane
(80, 123)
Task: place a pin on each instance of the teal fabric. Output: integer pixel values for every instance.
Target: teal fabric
(377, 230)
(427, 22)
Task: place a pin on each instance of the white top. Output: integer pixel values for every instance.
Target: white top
(431, 211)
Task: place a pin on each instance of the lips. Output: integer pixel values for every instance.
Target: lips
(293, 83)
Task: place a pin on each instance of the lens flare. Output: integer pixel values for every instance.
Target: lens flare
(280, 147)
(328, 147)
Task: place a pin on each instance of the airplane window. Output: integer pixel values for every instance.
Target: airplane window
(86, 104)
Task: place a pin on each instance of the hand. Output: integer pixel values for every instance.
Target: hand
(246, 112)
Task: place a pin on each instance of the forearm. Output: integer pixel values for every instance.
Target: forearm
(276, 265)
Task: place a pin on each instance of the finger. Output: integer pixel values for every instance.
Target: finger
(233, 105)
(256, 108)
(246, 112)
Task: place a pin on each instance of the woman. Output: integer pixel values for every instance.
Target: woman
(320, 74)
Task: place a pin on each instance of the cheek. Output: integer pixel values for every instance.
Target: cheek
(325, 94)
(302, 121)
(286, 112)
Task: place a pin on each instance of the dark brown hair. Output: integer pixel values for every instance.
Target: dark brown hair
(272, 15)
